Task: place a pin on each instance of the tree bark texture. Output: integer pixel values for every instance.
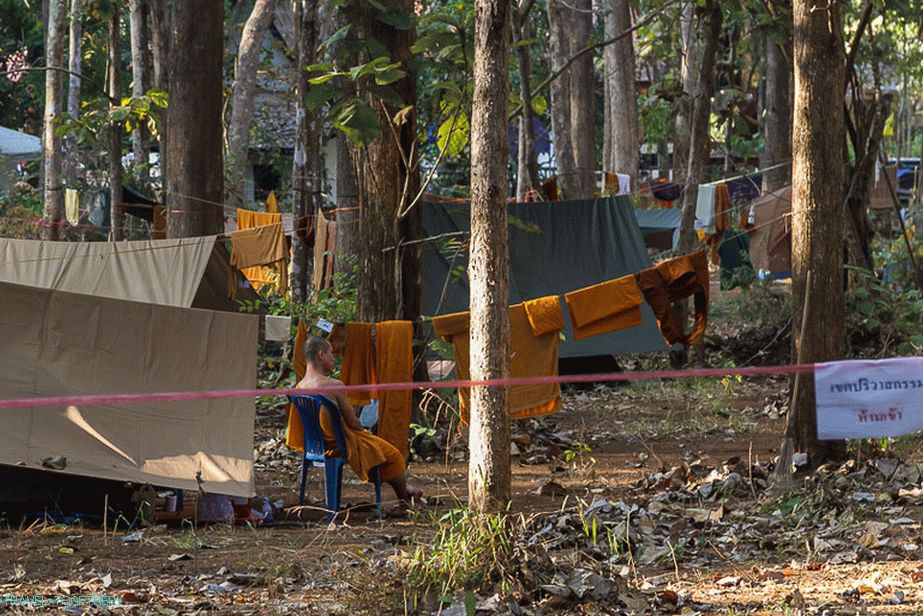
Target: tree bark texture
(488, 269)
(52, 157)
(527, 177)
(699, 142)
(622, 128)
(387, 176)
(160, 31)
(817, 204)
(306, 165)
(583, 102)
(690, 60)
(75, 58)
(117, 209)
(347, 229)
(560, 48)
(139, 78)
(195, 185)
(777, 117)
(242, 100)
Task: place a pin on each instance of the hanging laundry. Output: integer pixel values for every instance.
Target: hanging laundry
(394, 364)
(722, 221)
(275, 275)
(324, 244)
(278, 328)
(606, 307)
(71, 206)
(359, 362)
(705, 207)
(624, 183)
(533, 355)
(544, 314)
(294, 430)
(272, 204)
(159, 225)
(672, 281)
(258, 246)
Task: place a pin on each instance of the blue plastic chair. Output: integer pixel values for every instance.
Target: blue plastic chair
(310, 407)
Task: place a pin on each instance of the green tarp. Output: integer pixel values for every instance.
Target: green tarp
(555, 247)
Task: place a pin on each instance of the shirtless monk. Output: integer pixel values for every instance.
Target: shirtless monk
(365, 450)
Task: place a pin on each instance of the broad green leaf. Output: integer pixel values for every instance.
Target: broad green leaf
(359, 122)
(389, 76)
(397, 19)
(338, 35)
(319, 95)
(539, 104)
(453, 140)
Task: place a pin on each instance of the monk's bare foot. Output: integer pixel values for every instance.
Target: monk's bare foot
(414, 493)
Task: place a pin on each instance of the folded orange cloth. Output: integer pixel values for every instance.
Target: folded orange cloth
(247, 219)
(359, 362)
(394, 364)
(606, 307)
(258, 246)
(294, 431)
(532, 356)
(544, 314)
(364, 451)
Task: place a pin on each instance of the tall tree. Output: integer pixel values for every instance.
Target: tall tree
(139, 77)
(817, 204)
(690, 52)
(560, 49)
(622, 131)
(242, 100)
(306, 167)
(777, 117)
(75, 58)
(195, 184)
(117, 217)
(387, 175)
(572, 96)
(527, 160)
(699, 142)
(488, 270)
(53, 161)
(160, 15)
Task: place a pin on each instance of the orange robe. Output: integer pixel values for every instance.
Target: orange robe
(364, 451)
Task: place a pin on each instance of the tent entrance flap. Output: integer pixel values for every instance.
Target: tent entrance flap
(555, 248)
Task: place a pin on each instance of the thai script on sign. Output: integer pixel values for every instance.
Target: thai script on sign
(865, 384)
(892, 414)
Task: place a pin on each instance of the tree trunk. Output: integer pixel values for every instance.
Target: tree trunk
(387, 176)
(116, 207)
(777, 116)
(160, 32)
(306, 164)
(527, 161)
(347, 229)
(622, 126)
(195, 185)
(488, 271)
(699, 143)
(242, 100)
(52, 158)
(138, 26)
(817, 204)
(75, 58)
(583, 102)
(690, 60)
(560, 49)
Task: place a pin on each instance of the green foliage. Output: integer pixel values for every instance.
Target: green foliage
(469, 551)
(883, 319)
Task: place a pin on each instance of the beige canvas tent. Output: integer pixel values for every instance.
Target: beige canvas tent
(54, 343)
(771, 239)
(189, 272)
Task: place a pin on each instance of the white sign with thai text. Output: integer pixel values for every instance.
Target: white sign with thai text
(869, 398)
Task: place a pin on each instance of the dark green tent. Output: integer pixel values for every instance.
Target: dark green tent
(555, 247)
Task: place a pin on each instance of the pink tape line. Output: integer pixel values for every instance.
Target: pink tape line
(175, 396)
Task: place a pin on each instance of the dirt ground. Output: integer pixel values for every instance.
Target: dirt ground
(619, 436)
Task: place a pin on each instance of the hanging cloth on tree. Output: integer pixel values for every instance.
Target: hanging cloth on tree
(672, 281)
(605, 307)
(394, 364)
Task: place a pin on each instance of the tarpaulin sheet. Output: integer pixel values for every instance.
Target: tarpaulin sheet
(555, 247)
(166, 272)
(54, 343)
